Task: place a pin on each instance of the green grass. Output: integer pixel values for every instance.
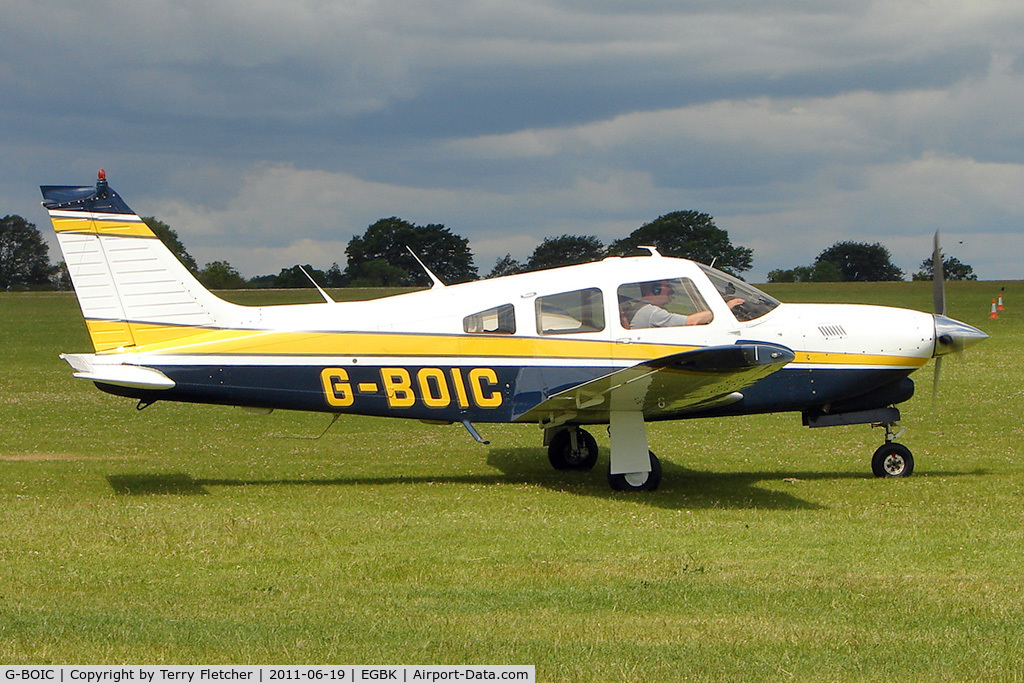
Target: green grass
(195, 534)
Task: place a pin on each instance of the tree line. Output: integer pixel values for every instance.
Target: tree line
(861, 262)
(387, 255)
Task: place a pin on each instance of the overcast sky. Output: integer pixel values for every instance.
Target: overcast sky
(269, 132)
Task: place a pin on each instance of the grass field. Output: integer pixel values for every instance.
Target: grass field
(195, 534)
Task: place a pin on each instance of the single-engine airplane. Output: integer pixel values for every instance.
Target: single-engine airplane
(622, 342)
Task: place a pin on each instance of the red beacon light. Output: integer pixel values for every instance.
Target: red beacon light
(101, 175)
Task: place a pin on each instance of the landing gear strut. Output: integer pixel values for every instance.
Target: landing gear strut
(631, 467)
(892, 459)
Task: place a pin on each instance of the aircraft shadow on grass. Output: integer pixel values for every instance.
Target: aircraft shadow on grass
(683, 488)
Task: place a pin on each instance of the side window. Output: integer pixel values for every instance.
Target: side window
(498, 320)
(662, 303)
(570, 312)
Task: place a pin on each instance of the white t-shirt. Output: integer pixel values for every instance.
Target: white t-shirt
(656, 316)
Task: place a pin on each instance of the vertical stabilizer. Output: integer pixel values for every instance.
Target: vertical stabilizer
(131, 288)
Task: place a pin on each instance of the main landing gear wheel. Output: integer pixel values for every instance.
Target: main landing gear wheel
(892, 460)
(573, 449)
(638, 481)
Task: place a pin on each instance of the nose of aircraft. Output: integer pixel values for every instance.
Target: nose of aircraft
(952, 336)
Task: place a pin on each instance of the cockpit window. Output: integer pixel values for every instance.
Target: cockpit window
(570, 312)
(498, 320)
(662, 303)
(755, 302)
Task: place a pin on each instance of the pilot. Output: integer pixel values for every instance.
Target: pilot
(652, 313)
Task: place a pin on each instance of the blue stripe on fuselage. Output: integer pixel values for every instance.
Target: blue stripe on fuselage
(478, 394)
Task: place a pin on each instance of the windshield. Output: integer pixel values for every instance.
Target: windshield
(755, 302)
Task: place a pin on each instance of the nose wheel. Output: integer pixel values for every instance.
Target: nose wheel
(892, 459)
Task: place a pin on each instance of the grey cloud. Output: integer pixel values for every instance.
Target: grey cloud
(184, 99)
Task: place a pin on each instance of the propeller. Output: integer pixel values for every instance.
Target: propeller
(951, 336)
(938, 279)
(939, 298)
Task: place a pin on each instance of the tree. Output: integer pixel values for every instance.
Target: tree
(824, 271)
(170, 239)
(687, 234)
(565, 250)
(334, 276)
(294, 278)
(263, 281)
(221, 275)
(379, 273)
(62, 278)
(506, 265)
(952, 269)
(24, 256)
(861, 262)
(445, 253)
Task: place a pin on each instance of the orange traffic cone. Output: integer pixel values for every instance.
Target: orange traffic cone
(994, 315)
(1000, 306)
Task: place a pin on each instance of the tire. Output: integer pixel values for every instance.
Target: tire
(892, 460)
(562, 455)
(621, 482)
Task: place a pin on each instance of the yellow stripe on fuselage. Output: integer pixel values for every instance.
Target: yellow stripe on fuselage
(164, 339)
(864, 359)
(108, 335)
(115, 335)
(192, 341)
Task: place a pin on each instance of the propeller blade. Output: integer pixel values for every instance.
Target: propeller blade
(938, 280)
(951, 336)
(939, 299)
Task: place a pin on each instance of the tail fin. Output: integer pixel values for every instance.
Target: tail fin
(131, 288)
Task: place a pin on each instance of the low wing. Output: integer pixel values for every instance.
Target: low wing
(666, 386)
